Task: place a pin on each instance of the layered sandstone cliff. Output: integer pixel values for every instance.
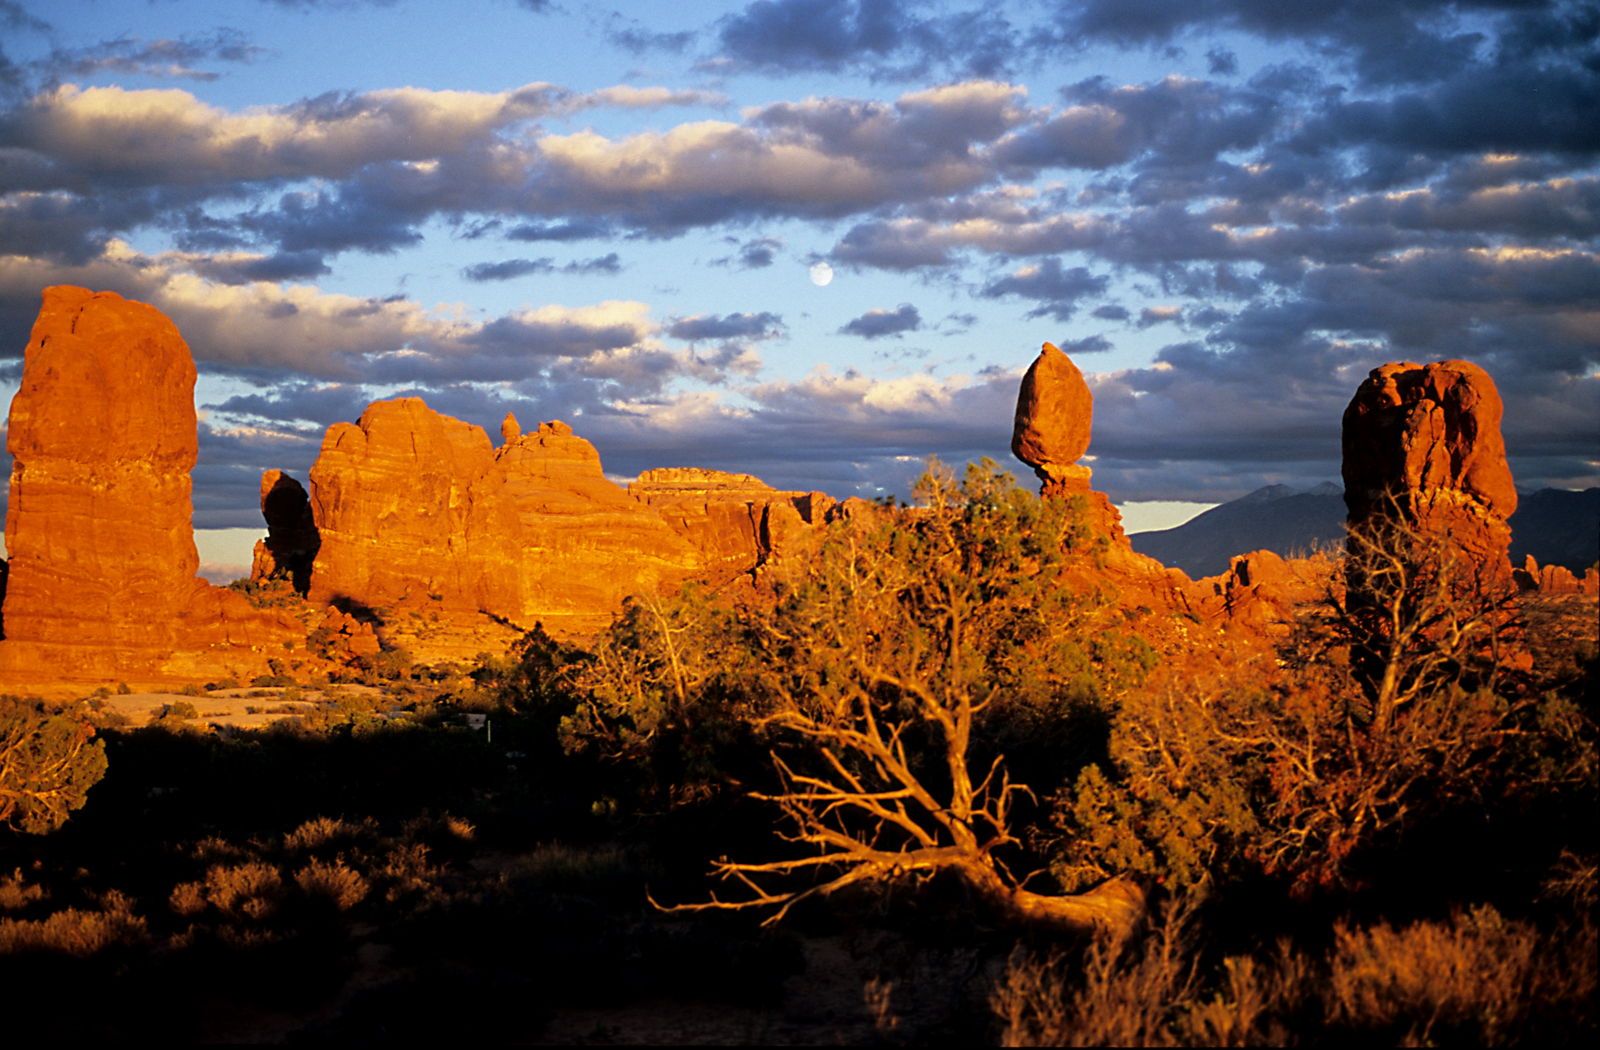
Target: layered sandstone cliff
(102, 556)
(737, 522)
(419, 512)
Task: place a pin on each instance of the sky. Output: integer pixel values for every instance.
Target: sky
(625, 216)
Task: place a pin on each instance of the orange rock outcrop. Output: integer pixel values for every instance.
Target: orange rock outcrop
(1051, 431)
(1422, 448)
(735, 521)
(1556, 579)
(102, 555)
(420, 511)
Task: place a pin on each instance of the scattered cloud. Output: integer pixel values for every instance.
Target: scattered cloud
(874, 324)
(1312, 190)
(1057, 288)
(730, 326)
(510, 269)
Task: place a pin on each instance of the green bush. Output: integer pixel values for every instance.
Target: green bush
(48, 763)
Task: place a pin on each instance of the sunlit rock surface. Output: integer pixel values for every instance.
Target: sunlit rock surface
(735, 521)
(1054, 417)
(102, 555)
(420, 514)
(1422, 445)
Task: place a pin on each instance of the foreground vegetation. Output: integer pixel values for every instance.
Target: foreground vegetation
(1029, 811)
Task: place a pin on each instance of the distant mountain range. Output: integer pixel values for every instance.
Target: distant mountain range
(1556, 526)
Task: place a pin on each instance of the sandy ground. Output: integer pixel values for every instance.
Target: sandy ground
(247, 708)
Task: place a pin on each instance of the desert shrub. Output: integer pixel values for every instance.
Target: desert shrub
(595, 871)
(16, 893)
(178, 710)
(448, 836)
(76, 932)
(1295, 760)
(273, 681)
(897, 662)
(1476, 978)
(267, 594)
(188, 899)
(387, 665)
(48, 763)
(404, 873)
(1134, 992)
(252, 890)
(335, 883)
(324, 833)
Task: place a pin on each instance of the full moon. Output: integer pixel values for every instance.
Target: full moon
(821, 274)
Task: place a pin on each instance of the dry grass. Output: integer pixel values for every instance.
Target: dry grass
(76, 932)
(244, 891)
(1476, 978)
(1476, 974)
(16, 894)
(334, 882)
(324, 832)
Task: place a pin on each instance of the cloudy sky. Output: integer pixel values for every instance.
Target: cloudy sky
(624, 214)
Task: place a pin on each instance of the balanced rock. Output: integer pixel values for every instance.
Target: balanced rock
(1422, 448)
(1054, 417)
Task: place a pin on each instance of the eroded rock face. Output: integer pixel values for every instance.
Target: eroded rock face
(418, 510)
(1422, 446)
(102, 556)
(292, 540)
(103, 434)
(1055, 413)
(735, 521)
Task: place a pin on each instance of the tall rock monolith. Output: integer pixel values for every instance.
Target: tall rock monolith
(1050, 432)
(102, 556)
(1422, 449)
(102, 435)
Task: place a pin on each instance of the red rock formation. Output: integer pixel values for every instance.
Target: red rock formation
(102, 556)
(1556, 579)
(1050, 432)
(103, 435)
(1422, 447)
(420, 512)
(292, 541)
(737, 522)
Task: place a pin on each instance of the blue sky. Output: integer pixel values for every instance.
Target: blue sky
(1227, 212)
